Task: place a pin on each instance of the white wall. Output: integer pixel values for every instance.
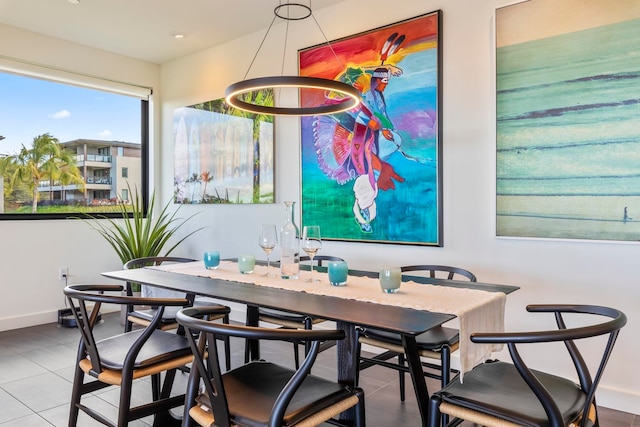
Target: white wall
(546, 271)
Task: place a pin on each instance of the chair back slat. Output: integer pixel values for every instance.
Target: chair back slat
(452, 273)
(591, 395)
(86, 319)
(155, 260)
(550, 407)
(207, 344)
(320, 259)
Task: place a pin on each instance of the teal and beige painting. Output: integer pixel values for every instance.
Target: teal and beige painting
(568, 120)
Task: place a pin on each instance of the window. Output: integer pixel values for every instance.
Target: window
(75, 137)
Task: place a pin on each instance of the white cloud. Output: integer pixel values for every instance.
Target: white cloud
(105, 133)
(62, 114)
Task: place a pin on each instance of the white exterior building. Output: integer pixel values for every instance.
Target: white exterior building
(107, 167)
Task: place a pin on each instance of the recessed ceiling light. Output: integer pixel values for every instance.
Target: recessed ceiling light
(74, 1)
(178, 36)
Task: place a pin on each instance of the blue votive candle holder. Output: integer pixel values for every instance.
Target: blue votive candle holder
(338, 271)
(211, 260)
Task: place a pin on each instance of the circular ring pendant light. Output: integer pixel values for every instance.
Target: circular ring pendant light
(344, 97)
(348, 95)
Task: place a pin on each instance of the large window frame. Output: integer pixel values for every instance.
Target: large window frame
(118, 88)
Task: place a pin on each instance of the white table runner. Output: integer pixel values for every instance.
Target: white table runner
(476, 310)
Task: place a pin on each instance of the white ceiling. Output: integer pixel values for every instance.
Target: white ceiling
(143, 28)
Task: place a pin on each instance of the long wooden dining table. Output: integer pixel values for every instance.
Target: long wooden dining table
(346, 313)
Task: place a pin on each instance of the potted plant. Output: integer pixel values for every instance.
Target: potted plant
(136, 235)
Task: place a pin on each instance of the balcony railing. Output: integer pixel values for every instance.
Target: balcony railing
(98, 180)
(91, 180)
(93, 158)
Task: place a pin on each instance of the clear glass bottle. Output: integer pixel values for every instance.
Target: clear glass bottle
(290, 246)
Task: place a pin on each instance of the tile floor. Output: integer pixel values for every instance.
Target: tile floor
(36, 370)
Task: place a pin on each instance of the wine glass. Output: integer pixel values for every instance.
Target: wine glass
(268, 240)
(311, 244)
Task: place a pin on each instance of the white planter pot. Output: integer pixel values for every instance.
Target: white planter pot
(123, 308)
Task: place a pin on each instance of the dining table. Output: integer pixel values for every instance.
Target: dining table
(360, 303)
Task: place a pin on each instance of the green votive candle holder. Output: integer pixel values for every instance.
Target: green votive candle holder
(246, 264)
(390, 279)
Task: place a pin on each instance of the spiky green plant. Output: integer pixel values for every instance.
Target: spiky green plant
(137, 236)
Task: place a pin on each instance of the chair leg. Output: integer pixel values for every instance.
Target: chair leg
(76, 394)
(246, 351)
(402, 377)
(128, 309)
(252, 347)
(308, 325)
(433, 418)
(164, 418)
(155, 386)
(357, 357)
(445, 360)
(360, 419)
(445, 375)
(296, 356)
(125, 401)
(227, 345)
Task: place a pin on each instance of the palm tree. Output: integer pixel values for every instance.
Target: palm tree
(194, 180)
(206, 178)
(46, 159)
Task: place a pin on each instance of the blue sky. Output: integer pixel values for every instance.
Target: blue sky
(30, 107)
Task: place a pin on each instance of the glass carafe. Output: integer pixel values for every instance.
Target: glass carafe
(289, 246)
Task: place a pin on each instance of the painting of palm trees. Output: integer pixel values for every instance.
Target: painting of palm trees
(222, 154)
(568, 129)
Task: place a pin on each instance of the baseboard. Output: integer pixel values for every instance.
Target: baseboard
(35, 319)
(620, 400)
(32, 319)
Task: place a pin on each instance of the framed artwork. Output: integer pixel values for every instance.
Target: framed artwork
(568, 120)
(223, 155)
(373, 174)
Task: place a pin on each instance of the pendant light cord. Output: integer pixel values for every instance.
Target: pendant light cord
(260, 47)
(286, 39)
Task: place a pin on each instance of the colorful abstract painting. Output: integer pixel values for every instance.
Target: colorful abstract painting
(568, 120)
(223, 155)
(373, 173)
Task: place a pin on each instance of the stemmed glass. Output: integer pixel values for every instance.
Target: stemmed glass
(268, 240)
(311, 244)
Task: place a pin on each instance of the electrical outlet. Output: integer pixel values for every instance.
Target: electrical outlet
(63, 273)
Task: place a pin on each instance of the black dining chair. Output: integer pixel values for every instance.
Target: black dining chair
(288, 320)
(118, 360)
(261, 393)
(143, 316)
(502, 394)
(436, 344)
